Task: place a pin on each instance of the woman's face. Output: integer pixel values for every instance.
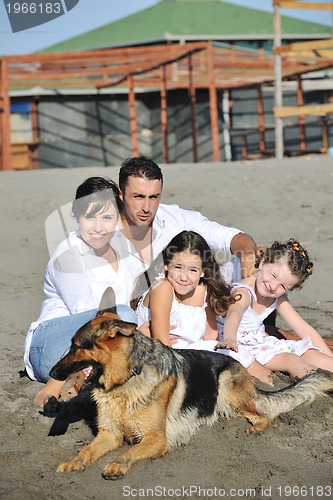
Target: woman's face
(97, 229)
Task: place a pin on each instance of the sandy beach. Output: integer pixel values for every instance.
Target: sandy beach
(292, 459)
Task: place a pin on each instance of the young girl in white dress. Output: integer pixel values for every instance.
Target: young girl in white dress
(188, 296)
(283, 268)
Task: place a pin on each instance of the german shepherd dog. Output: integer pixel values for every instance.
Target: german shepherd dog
(155, 397)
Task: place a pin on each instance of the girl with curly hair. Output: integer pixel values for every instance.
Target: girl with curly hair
(284, 267)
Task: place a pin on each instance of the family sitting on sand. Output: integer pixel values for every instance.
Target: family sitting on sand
(125, 234)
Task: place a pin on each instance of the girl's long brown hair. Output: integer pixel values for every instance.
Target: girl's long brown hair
(219, 296)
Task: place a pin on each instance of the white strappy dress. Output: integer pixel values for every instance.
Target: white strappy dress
(253, 343)
(190, 321)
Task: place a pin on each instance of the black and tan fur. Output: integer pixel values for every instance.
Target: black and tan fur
(154, 397)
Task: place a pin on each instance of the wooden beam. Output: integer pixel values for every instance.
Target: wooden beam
(132, 115)
(296, 4)
(192, 95)
(325, 134)
(301, 46)
(6, 150)
(309, 56)
(301, 118)
(164, 116)
(106, 55)
(35, 132)
(261, 120)
(315, 110)
(279, 144)
(213, 105)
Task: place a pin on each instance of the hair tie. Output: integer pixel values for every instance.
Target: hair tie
(297, 248)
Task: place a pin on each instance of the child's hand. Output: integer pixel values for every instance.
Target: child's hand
(145, 329)
(173, 336)
(227, 344)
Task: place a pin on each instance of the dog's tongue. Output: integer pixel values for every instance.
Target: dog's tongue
(87, 371)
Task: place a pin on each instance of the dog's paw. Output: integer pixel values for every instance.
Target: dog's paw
(51, 407)
(112, 476)
(75, 465)
(251, 430)
(114, 471)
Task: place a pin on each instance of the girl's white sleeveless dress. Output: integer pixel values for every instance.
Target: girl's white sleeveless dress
(253, 343)
(190, 321)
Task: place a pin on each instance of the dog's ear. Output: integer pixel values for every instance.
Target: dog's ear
(108, 301)
(121, 327)
(108, 314)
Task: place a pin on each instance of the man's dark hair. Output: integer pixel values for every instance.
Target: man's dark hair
(139, 166)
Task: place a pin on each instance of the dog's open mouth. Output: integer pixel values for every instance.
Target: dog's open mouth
(91, 375)
(88, 373)
(84, 379)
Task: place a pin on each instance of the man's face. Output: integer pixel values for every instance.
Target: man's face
(141, 200)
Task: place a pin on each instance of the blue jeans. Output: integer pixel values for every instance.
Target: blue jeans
(52, 338)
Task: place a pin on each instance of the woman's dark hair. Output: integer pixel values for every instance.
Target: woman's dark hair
(98, 191)
(296, 256)
(219, 295)
(139, 166)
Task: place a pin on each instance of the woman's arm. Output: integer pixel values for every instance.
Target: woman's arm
(299, 325)
(160, 302)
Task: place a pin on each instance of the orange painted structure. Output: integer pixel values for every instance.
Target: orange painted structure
(192, 66)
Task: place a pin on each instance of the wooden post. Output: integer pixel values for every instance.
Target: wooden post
(261, 121)
(6, 153)
(193, 109)
(279, 146)
(164, 116)
(324, 134)
(213, 105)
(244, 146)
(226, 125)
(301, 118)
(132, 114)
(35, 132)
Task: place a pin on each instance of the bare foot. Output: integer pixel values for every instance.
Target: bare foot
(51, 388)
(261, 373)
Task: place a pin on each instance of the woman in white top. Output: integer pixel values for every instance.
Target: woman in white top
(81, 269)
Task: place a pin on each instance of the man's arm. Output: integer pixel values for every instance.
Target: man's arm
(243, 246)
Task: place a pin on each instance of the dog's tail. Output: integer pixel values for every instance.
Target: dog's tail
(305, 390)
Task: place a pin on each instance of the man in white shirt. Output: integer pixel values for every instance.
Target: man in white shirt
(146, 226)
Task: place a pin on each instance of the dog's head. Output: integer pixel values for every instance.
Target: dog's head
(104, 344)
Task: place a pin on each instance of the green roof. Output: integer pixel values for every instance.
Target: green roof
(192, 20)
